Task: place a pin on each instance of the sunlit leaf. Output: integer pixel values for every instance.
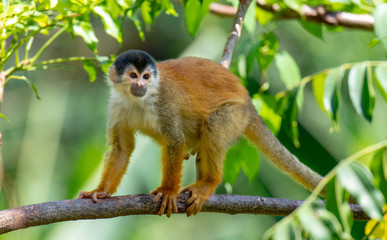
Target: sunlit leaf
(357, 179)
(294, 4)
(85, 30)
(195, 11)
(263, 17)
(90, 69)
(137, 23)
(112, 27)
(266, 110)
(266, 50)
(288, 69)
(381, 80)
(331, 91)
(168, 8)
(361, 90)
(41, 19)
(3, 116)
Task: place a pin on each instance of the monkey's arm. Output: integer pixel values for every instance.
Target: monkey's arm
(121, 141)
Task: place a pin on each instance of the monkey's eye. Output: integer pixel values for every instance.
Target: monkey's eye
(133, 75)
(146, 76)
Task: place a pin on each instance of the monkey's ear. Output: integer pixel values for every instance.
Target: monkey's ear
(113, 75)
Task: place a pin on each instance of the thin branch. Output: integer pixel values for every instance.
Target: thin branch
(235, 33)
(317, 14)
(78, 209)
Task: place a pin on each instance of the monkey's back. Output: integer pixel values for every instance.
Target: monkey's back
(201, 83)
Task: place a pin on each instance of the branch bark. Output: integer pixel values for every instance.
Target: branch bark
(235, 33)
(78, 209)
(317, 14)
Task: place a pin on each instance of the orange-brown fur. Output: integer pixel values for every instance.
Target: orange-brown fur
(193, 105)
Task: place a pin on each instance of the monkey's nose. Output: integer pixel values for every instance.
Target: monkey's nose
(140, 84)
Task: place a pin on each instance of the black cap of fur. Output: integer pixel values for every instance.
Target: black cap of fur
(137, 58)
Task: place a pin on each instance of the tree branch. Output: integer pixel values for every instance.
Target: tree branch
(235, 33)
(313, 14)
(66, 210)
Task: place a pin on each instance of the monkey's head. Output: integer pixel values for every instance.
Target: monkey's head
(133, 72)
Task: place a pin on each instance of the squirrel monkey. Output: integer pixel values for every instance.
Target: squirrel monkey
(187, 104)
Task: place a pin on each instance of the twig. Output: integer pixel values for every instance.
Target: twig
(66, 210)
(317, 14)
(235, 33)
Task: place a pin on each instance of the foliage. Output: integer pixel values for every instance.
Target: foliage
(22, 20)
(365, 180)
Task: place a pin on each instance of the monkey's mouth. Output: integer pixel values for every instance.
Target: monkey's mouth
(138, 91)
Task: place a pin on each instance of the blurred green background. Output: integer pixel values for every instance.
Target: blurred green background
(53, 147)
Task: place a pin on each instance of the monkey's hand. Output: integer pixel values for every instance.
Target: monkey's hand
(200, 192)
(168, 200)
(95, 195)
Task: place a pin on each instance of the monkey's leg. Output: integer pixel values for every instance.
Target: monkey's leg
(222, 128)
(121, 141)
(172, 158)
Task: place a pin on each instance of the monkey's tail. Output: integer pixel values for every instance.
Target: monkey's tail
(258, 133)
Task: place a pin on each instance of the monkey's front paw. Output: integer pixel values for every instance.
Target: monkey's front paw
(168, 200)
(199, 195)
(95, 195)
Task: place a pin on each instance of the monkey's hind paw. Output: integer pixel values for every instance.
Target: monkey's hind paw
(199, 195)
(94, 195)
(168, 200)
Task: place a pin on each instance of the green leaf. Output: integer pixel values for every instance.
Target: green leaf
(288, 69)
(112, 27)
(147, 13)
(168, 8)
(137, 23)
(312, 224)
(379, 170)
(244, 155)
(263, 17)
(287, 106)
(90, 69)
(85, 30)
(41, 19)
(318, 89)
(195, 11)
(368, 99)
(381, 80)
(266, 51)
(373, 43)
(3, 116)
(313, 28)
(294, 4)
(357, 179)
(266, 110)
(380, 15)
(337, 203)
(331, 91)
(361, 90)
(25, 79)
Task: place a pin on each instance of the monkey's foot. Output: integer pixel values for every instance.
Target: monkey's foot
(168, 200)
(95, 195)
(200, 192)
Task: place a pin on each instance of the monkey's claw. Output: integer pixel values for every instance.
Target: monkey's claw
(168, 200)
(94, 195)
(199, 195)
